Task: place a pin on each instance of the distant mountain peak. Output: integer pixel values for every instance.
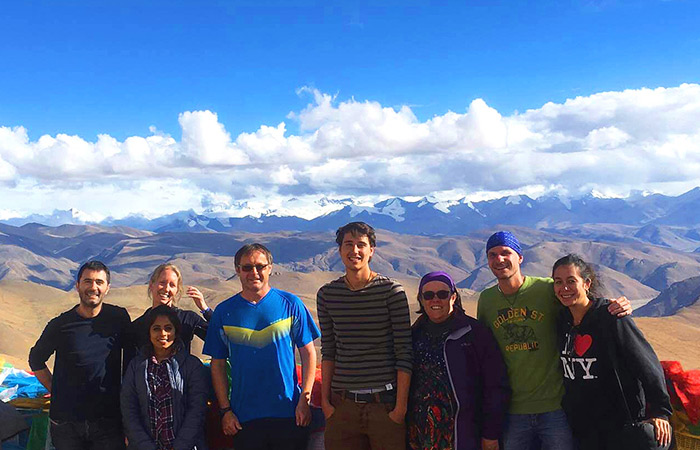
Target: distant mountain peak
(514, 200)
(418, 215)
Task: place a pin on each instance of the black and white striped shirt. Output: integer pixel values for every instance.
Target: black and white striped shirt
(366, 332)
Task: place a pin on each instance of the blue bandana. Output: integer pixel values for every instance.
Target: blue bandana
(505, 238)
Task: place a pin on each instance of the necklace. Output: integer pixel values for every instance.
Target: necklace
(365, 283)
(515, 297)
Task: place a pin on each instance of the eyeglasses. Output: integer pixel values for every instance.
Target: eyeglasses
(442, 295)
(250, 267)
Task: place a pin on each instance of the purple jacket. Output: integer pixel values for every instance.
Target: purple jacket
(479, 380)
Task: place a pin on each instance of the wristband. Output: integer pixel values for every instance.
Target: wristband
(223, 411)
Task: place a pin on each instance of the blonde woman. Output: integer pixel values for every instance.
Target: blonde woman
(165, 287)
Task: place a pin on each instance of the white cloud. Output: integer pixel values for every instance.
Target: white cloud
(206, 141)
(7, 170)
(606, 138)
(611, 141)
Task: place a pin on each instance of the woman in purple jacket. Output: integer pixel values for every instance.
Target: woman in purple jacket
(459, 387)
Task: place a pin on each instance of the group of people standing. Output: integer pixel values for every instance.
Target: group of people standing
(545, 363)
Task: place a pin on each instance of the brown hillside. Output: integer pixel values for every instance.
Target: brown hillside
(675, 337)
(27, 307)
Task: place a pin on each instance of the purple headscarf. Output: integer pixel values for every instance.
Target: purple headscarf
(437, 276)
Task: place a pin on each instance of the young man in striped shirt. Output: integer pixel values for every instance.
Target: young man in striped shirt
(366, 350)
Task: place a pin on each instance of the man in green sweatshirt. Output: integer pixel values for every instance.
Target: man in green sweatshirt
(521, 311)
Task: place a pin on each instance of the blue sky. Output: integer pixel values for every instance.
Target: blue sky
(119, 67)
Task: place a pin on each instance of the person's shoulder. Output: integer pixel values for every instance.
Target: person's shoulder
(142, 317)
(228, 303)
(64, 317)
(68, 314)
(472, 321)
(140, 357)
(600, 303)
(601, 313)
(539, 281)
(598, 316)
(284, 294)
(418, 325)
(539, 286)
(490, 289)
(193, 361)
(383, 280)
(185, 314)
(599, 308)
(462, 319)
(115, 311)
(489, 292)
(287, 297)
(333, 284)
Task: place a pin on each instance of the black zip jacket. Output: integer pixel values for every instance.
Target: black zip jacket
(593, 399)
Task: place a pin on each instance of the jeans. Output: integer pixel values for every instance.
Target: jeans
(271, 434)
(550, 428)
(102, 434)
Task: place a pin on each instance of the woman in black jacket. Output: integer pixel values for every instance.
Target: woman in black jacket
(602, 357)
(164, 390)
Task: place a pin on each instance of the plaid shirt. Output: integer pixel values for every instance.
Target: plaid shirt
(160, 404)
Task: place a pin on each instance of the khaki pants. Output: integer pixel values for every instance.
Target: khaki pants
(363, 426)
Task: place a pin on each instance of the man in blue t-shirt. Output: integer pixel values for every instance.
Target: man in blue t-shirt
(257, 330)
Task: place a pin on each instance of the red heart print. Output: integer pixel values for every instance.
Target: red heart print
(582, 342)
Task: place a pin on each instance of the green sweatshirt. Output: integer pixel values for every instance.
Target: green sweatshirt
(525, 327)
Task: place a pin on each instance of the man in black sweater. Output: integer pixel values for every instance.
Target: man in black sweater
(85, 384)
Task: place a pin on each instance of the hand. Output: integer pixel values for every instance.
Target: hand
(327, 409)
(620, 307)
(489, 444)
(662, 430)
(230, 424)
(197, 297)
(397, 415)
(303, 412)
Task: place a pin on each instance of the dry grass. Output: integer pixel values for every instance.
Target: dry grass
(27, 307)
(675, 337)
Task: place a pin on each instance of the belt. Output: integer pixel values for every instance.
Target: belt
(377, 397)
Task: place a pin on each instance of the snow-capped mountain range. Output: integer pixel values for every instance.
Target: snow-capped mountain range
(425, 216)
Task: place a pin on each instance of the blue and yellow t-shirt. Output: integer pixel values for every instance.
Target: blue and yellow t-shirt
(259, 339)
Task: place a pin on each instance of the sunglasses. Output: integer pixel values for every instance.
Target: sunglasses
(250, 267)
(442, 295)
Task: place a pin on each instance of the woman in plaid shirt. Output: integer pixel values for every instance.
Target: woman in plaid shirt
(164, 391)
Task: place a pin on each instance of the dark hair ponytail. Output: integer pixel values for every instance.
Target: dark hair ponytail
(585, 270)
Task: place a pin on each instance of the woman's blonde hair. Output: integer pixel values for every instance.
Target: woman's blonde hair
(157, 273)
